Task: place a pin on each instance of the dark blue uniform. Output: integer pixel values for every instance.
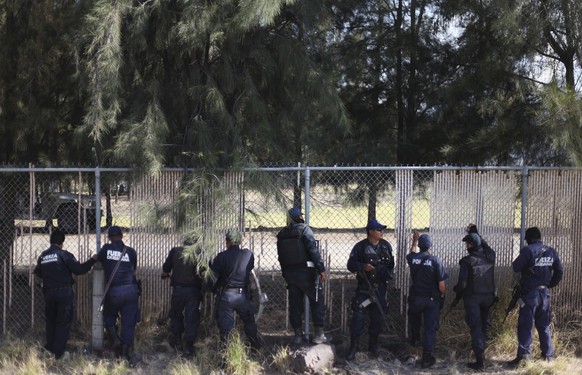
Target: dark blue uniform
(477, 285)
(123, 295)
(301, 279)
(55, 266)
(186, 295)
(232, 284)
(541, 269)
(426, 271)
(379, 255)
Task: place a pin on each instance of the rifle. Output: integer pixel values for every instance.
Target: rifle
(453, 304)
(373, 293)
(515, 296)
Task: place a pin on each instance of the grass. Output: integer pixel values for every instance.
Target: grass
(26, 356)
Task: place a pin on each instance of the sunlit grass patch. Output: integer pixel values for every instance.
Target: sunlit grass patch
(237, 359)
(23, 359)
(281, 360)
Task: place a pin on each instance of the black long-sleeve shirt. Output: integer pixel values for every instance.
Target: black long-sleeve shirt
(55, 266)
(224, 263)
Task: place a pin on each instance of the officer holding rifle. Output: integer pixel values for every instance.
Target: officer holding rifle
(372, 261)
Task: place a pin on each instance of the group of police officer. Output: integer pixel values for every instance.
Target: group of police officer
(55, 267)
(539, 265)
(303, 269)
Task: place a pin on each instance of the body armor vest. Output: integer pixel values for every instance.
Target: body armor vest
(182, 272)
(482, 279)
(290, 248)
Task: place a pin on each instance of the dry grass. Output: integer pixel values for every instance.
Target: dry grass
(281, 360)
(20, 356)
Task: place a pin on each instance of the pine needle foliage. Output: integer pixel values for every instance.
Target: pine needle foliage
(223, 81)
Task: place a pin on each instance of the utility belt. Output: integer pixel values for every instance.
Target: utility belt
(234, 290)
(307, 264)
(539, 287)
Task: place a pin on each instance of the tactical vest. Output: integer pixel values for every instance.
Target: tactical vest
(183, 272)
(482, 279)
(290, 248)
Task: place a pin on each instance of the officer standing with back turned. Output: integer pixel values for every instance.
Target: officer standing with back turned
(304, 272)
(55, 267)
(476, 285)
(426, 295)
(122, 298)
(232, 268)
(541, 269)
(186, 296)
(372, 260)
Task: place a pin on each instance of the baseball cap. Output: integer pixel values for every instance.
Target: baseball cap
(375, 225)
(114, 231)
(472, 238)
(57, 237)
(533, 233)
(424, 241)
(295, 212)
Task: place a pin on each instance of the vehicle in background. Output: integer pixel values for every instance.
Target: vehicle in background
(72, 212)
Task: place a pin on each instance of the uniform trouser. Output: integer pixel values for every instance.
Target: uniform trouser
(477, 317)
(59, 310)
(185, 311)
(536, 308)
(231, 302)
(297, 306)
(122, 300)
(427, 309)
(359, 313)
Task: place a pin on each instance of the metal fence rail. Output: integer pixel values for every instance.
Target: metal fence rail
(155, 212)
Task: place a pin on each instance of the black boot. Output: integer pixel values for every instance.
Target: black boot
(299, 337)
(477, 365)
(354, 346)
(255, 342)
(373, 345)
(427, 360)
(319, 336)
(126, 352)
(189, 348)
(114, 340)
(176, 341)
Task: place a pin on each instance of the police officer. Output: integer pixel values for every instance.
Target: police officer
(232, 268)
(476, 285)
(373, 262)
(426, 295)
(302, 265)
(541, 269)
(186, 295)
(122, 298)
(55, 267)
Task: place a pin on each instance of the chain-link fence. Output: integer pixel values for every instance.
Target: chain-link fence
(155, 212)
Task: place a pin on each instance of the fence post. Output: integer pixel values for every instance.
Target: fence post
(307, 214)
(524, 177)
(98, 275)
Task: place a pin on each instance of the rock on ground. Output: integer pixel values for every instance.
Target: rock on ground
(313, 359)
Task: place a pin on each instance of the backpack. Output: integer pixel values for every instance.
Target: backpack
(291, 251)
